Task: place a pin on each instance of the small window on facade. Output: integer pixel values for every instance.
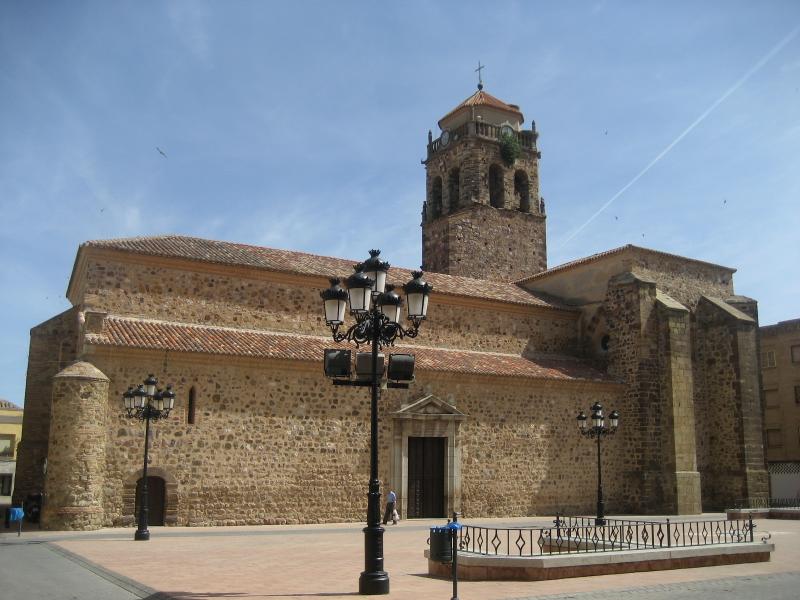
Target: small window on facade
(796, 354)
(190, 407)
(797, 394)
(5, 484)
(7, 445)
(774, 438)
(768, 359)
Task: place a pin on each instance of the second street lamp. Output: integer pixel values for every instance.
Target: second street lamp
(147, 403)
(376, 310)
(597, 430)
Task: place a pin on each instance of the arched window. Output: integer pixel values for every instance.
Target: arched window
(454, 189)
(436, 198)
(496, 191)
(191, 406)
(521, 191)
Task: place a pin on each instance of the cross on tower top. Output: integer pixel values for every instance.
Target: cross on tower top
(478, 71)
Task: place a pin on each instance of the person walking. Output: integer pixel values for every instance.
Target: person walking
(390, 513)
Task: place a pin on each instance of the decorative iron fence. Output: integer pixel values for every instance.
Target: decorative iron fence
(745, 503)
(580, 534)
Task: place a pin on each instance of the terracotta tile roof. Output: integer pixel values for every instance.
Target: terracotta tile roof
(289, 261)
(601, 255)
(179, 337)
(8, 405)
(481, 98)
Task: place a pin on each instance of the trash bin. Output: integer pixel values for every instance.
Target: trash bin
(15, 513)
(441, 545)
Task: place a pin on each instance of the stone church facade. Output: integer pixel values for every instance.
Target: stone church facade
(509, 354)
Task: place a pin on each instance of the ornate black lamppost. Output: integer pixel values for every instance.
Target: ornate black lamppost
(147, 403)
(376, 309)
(598, 430)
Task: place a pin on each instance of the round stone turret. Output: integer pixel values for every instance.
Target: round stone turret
(77, 449)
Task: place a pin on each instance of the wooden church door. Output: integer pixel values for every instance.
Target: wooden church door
(155, 500)
(426, 477)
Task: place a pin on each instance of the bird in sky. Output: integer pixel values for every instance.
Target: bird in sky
(161, 152)
(724, 201)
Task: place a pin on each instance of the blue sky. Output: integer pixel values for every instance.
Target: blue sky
(301, 125)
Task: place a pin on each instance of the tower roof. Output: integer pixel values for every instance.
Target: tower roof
(481, 98)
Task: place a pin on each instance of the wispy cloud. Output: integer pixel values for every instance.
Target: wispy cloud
(190, 19)
(748, 74)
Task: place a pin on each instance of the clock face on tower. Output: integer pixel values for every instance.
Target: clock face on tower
(445, 137)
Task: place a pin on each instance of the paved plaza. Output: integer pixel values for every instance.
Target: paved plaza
(325, 560)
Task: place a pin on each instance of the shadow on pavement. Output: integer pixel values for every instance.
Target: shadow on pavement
(199, 595)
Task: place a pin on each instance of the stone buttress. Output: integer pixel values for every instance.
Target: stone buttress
(652, 354)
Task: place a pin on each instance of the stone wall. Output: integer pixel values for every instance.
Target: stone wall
(485, 243)
(52, 347)
(166, 293)
(522, 453)
(684, 280)
(277, 443)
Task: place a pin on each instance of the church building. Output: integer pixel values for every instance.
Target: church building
(511, 351)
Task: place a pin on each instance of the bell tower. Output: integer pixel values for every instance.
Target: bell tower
(483, 216)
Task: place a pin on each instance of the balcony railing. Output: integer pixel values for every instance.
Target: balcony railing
(527, 139)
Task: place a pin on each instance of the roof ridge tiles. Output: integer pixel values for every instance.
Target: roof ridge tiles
(599, 255)
(483, 98)
(136, 332)
(304, 263)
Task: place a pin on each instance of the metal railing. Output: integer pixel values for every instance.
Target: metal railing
(580, 534)
(527, 139)
(746, 503)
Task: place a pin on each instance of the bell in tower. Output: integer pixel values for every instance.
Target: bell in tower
(482, 216)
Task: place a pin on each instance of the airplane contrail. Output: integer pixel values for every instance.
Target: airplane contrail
(750, 72)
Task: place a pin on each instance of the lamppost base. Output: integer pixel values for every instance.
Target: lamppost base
(599, 522)
(141, 535)
(372, 583)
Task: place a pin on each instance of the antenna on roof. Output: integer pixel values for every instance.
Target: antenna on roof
(478, 71)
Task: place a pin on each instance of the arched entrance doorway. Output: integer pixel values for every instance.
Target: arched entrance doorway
(166, 501)
(156, 500)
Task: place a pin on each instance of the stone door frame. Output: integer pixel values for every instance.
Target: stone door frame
(170, 495)
(428, 416)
